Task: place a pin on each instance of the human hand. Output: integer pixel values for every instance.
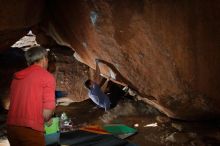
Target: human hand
(47, 113)
(108, 78)
(49, 123)
(97, 60)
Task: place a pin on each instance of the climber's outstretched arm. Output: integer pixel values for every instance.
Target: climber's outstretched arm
(97, 77)
(118, 75)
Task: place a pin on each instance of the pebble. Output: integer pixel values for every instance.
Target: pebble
(177, 126)
(163, 119)
(178, 137)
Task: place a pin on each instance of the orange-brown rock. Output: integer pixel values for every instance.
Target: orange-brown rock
(70, 74)
(16, 19)
(168, 50)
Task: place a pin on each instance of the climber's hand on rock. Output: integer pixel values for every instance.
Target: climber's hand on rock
(97, 60)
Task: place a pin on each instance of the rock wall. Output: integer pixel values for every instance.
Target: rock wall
(70, 74)
(168, 50)
(16, 19)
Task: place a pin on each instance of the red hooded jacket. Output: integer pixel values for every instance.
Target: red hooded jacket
(32, 90)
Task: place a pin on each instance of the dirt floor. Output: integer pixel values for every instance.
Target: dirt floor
(154, 129)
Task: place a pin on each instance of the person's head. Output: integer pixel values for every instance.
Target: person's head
(88, 84)
(37, 55)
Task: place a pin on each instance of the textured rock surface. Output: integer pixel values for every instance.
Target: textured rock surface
(70, 74)
(16, 19)
(165, 49)
(169, 50)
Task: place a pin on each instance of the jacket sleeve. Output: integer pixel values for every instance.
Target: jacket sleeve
(49, 93)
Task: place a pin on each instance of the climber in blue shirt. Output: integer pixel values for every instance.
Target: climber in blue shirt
(96, 94)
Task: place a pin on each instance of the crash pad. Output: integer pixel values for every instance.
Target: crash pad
(51, 139)
(94, 129)
(52, 134)
(85, 138)
(52, 128)
(120, 130)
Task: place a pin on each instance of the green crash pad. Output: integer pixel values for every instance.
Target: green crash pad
(120, 130)
(52, 134)
(54, 128)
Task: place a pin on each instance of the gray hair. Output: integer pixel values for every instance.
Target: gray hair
(35, 54)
